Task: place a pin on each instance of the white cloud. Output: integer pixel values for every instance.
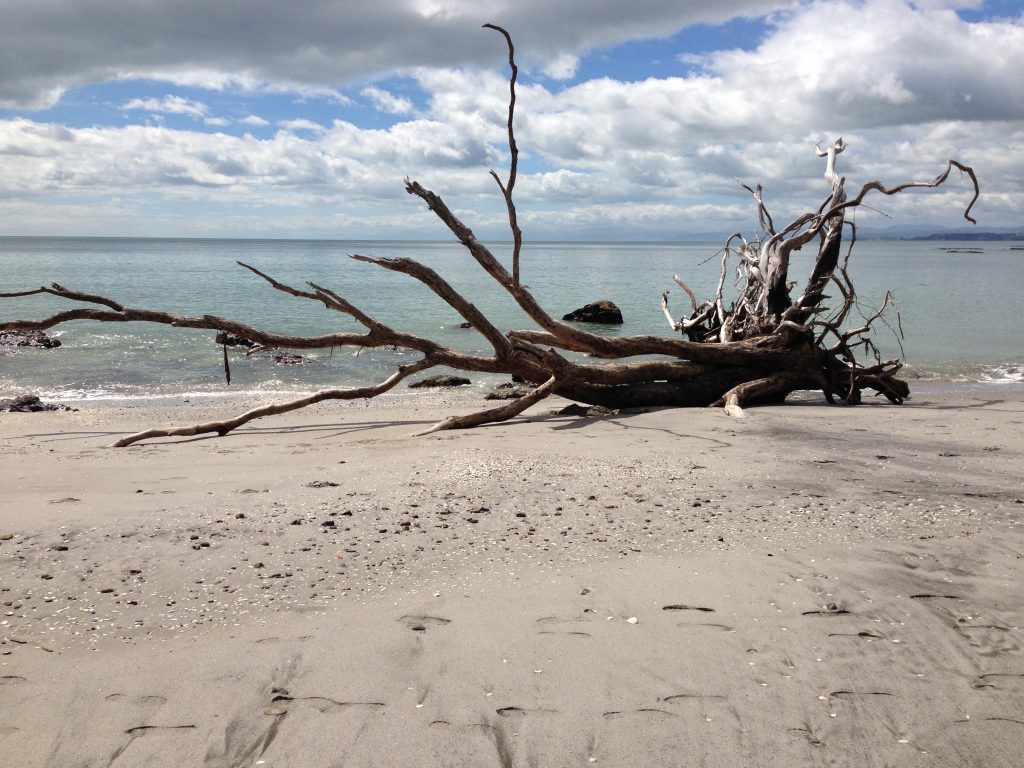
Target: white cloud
(562, 67)
(907, 86)
(313, 44)
(169, 104)
(387, 102)
(301, 124)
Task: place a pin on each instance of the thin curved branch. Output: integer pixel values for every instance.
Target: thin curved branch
(328, 298)
(436, 283)
(61, 291)
(878, 186)
(693, 299)
(506, 189)
(224, 426)
(502, 413)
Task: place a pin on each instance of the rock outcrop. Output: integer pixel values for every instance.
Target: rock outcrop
(603, 311)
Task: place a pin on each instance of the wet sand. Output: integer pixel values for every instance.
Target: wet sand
(810, 585)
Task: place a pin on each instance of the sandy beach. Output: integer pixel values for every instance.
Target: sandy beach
(811, 585)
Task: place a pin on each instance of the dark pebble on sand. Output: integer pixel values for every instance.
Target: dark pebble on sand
(327, 524)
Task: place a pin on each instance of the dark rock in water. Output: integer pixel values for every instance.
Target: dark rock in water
(231, 340)
(288, 358)
(36, 339)
(508, 392)
(466, 324)
(279, 356)
(440, 381)
(602, 311)
(30, 404)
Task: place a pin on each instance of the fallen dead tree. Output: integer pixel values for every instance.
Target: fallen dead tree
(756, 345)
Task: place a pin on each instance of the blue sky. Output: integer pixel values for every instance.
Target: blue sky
(187, 118)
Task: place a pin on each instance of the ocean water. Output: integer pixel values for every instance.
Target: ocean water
(958, 306)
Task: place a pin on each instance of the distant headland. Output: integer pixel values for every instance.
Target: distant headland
(971, 236)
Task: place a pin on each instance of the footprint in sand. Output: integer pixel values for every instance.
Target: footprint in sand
(684, 607)
(422, 623)
(647, 712)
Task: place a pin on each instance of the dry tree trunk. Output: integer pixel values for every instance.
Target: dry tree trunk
(756, 347)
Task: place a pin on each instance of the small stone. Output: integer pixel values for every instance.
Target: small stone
(632, 620)
(6, 536)
(275, 711)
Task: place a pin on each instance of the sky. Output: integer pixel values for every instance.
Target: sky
(635, 120)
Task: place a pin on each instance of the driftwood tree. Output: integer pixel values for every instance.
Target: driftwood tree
(757, 346)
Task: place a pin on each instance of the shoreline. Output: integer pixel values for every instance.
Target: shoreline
(808, 583)
(403, 395)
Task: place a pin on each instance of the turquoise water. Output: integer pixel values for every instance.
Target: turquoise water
(958, 311)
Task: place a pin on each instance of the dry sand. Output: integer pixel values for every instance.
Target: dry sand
(808, 586)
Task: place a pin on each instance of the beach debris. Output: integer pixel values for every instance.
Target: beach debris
(279, 356)
(586, 411)
(440, 380)
(322, 484)
(508, 391)
(632, 620)
(684, 607)
(29, 403)
(232, 340)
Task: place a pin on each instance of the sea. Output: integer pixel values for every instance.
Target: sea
(956, 323)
